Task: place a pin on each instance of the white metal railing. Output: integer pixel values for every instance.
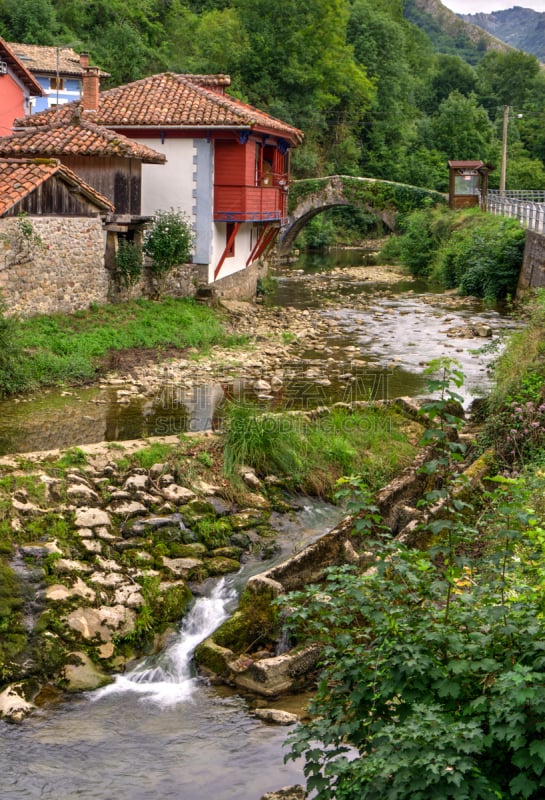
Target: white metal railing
(533, 195)
(517, 204)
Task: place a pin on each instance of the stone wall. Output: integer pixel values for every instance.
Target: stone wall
(50, 264)
(189, 280)
(532, 273)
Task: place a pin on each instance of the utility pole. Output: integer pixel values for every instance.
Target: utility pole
(504, 149)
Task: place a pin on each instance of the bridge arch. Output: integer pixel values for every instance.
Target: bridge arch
(383, 198)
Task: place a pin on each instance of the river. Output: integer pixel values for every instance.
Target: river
(162, 732)
(381, 333)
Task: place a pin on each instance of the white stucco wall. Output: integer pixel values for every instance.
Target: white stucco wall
(244, 244)
(170, 185)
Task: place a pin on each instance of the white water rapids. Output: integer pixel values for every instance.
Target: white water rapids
(171, 679)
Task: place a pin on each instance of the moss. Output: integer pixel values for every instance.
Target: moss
(221, 565)
(212, 657)
(253, 627)
(194, 550)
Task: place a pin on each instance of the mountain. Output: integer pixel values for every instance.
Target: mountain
(449, 32)
(520, 27)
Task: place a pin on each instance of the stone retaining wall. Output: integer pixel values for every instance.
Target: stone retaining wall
(532, 273)
(189, 280)
(58, 267)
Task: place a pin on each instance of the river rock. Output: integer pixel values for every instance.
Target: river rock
(101, 622)
(129, 595)
(269, 677)
(58, 592)
(81, 493)
(82, 675)
(65, 566)
(13, 705)
(137, 483)
(107, 579)
(26, 509)
(92, 518)
(249, 477)
(178, 495)
(181, 567)
(276, 716)
(127, 508)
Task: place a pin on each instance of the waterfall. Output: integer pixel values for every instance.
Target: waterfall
(170, 678)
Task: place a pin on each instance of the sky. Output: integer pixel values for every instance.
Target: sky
(487, 6)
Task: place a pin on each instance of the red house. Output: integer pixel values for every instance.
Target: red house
(17, 87)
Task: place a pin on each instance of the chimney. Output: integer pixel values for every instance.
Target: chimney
(84, 60)
(91, 82)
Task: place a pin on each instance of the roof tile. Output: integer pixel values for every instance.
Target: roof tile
(41, 59)
(76, 137)
(20, 177)
(170, 100)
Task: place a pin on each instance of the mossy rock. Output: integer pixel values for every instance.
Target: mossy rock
(193, 550)
(169, 606)
(213, 658)
(248, 519)
(11, 598)
(241, 540)
(252, 627)
(221, 566)
(168, 534)
(227, 552)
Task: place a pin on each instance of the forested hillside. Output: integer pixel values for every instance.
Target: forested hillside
(371, 91)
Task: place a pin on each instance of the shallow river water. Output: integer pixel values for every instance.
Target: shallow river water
(161, 732)
(383, 332)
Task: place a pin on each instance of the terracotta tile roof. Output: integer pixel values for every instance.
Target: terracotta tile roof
(214, 82)
(170, 101)
(77, 137)
(20, 69)
(43, 60)
(20, 177)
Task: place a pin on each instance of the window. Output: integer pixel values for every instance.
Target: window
(56, 84)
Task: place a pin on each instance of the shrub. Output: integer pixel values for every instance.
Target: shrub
(128, 262)
(14, 375)
(417, 245)
(168, 243)
(483, 258)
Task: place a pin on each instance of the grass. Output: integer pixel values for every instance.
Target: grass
(313, 454)
(524, 356)
(69, 348)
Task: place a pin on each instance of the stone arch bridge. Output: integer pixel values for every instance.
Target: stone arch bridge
(383, 198)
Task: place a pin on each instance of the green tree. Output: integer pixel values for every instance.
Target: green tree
(32, 21)
(451, 74)
(461, 128)
(506, 79)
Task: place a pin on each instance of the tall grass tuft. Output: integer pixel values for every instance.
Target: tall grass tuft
(310, 455)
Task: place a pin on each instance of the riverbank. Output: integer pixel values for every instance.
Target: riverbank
(103, 548)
